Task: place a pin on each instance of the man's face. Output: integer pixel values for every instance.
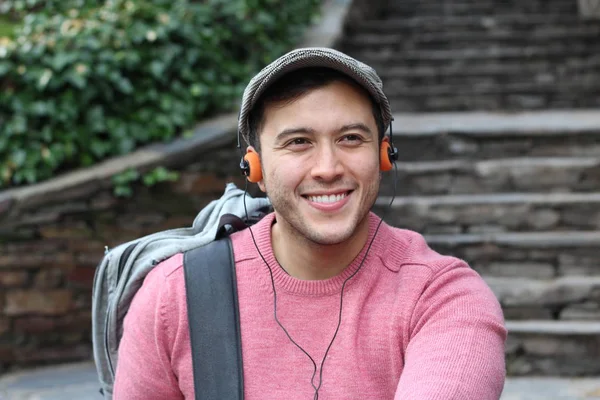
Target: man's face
(320, 159)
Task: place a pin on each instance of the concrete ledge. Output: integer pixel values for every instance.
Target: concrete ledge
(486, 167)
(554, 327)
(524, 240)
(207, 135)
(500, 199)
(330, 26)
(548, 122)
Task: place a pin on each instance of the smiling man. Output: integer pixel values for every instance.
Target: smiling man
(362, 310)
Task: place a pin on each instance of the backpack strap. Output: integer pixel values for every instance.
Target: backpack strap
(214, 321)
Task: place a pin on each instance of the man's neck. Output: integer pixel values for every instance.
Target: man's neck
(307, 260)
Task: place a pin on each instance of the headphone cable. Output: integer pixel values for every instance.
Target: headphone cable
(317, 388)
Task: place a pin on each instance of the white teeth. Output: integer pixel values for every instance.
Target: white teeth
(327, 199)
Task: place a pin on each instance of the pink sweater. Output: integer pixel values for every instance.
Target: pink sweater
(416, 325)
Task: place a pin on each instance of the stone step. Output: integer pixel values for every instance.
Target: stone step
(560, 348)
(587, 84)
(556, 254)
(460, 38)
(487, 7)
(494, 213)
(555, 52)
(518, 174)
(538, 70)
(564, 98)
(481, 93)
(487, 135)
(397, 23)
(566, 298)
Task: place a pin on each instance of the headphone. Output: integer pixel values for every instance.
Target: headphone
(251, 168)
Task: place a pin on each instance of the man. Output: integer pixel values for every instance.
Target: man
(362, 310)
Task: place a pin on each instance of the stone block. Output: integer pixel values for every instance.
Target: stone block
(461, 145)
(543, 178)
(482, 252)
(588, 311)
(589, 9)
(555, 346)
(103, 201)
(34, 325)
(523, 270)
(82, 301)
(24, 260)
(542, 255)
(75, 230)
(517, 292)
(574, 264)
(467, 184)
(82, 276)
(527, 313)
(4, 327)
(582, 217)
(199, 183)
(434, 184)
(42, 302)
(10, 279)
(486, 228)
(55, 354)
(48, 278)
(507, 146)
(74, 322)
(443, 229)
(543, 219)
(439, 215)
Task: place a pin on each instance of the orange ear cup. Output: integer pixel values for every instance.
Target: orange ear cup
(253, 160)
(385, 163)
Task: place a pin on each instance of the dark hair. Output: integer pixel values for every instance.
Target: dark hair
(295, 84)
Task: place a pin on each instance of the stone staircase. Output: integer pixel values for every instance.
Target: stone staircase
(455, 55)
(527, 221)
(500, 157)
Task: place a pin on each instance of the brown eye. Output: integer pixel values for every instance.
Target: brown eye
(354, 139)
(297, 142)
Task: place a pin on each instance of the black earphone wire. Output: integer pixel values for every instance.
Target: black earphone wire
(317, 388)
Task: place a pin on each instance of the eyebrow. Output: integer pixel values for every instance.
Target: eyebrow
(359, 125)
(294, 131)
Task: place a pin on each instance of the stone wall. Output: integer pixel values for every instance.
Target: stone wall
(51, 240)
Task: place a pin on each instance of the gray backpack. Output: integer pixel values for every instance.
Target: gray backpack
(122, 270)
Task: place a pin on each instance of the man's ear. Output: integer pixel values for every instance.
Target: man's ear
(261, 183)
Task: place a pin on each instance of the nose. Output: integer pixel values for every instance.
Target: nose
(327, 165)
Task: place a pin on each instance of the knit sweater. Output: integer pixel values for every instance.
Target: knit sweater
(416, 325)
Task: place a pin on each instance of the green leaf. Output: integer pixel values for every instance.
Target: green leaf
(91, 79)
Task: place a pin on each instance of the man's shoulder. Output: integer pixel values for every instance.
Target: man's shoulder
(405, 248)
(168, 269)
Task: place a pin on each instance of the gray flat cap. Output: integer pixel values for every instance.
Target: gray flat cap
(364, 75)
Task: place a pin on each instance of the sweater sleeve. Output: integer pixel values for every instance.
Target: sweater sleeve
(144, 370)
(456, 341)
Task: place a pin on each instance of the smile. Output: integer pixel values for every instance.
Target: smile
(327, 199)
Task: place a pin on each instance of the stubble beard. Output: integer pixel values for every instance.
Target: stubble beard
(292, 221)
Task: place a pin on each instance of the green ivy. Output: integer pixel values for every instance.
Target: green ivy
(123, 182)
(83, 80)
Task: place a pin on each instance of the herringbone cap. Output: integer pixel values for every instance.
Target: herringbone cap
(363, 74)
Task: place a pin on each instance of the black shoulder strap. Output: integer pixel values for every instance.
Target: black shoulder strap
(214, 321)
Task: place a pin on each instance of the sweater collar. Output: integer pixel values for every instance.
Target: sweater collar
(283, 281)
